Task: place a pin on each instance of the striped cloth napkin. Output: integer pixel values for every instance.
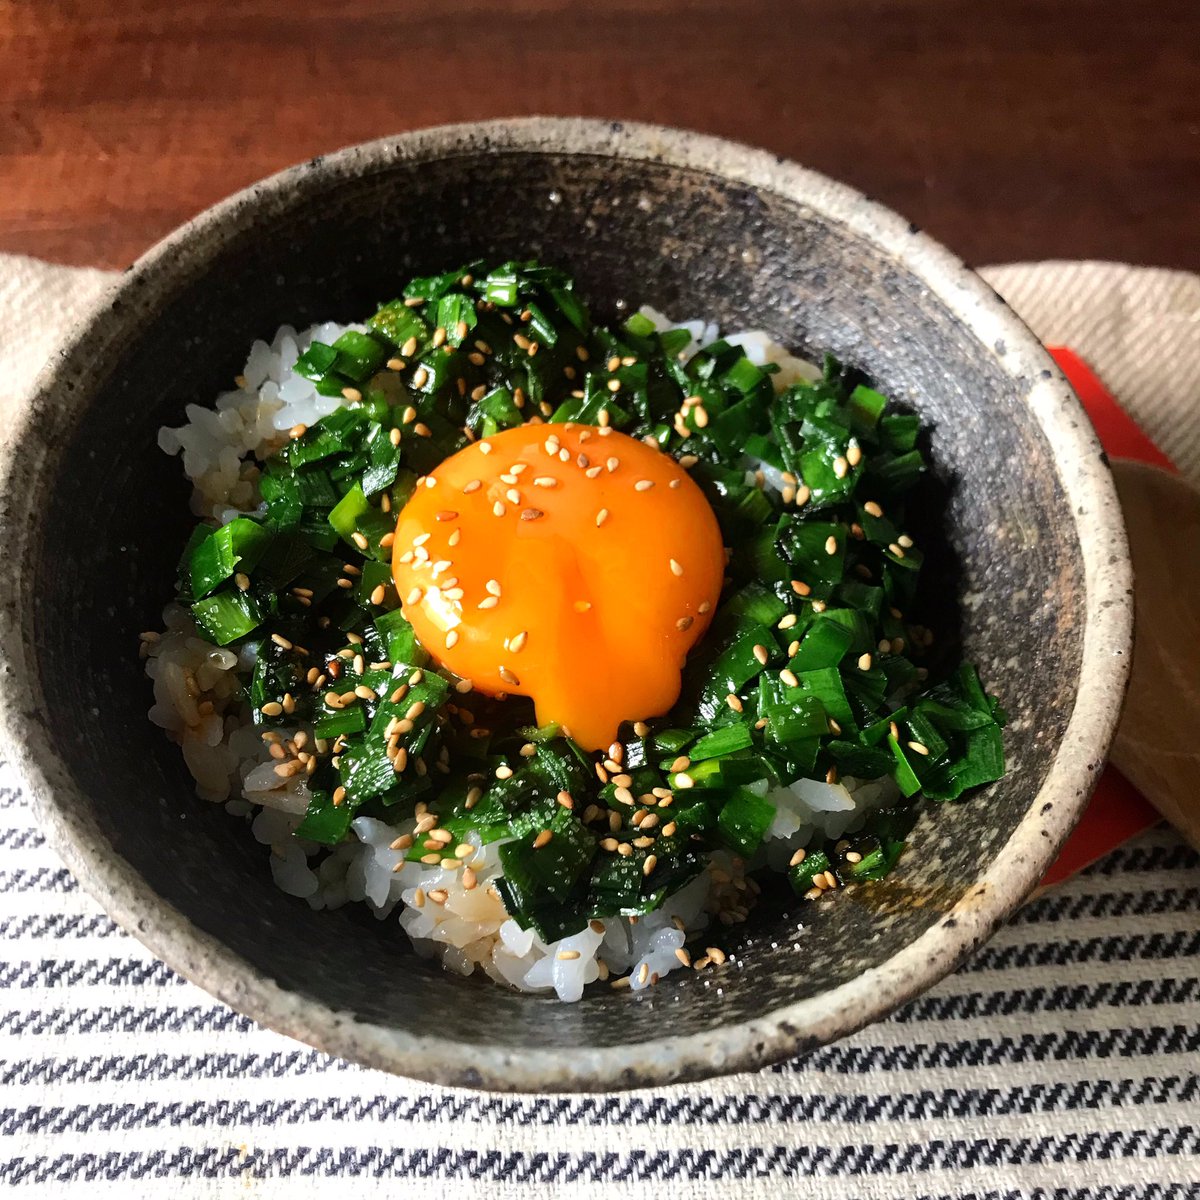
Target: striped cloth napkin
(1063, 1060)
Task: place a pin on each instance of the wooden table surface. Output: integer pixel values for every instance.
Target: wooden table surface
(1011, 129)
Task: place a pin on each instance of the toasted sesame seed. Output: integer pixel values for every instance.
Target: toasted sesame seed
(831, 776)
(272, 709)
(508, 677)
(352, 394)
(864, 662)
(365, 693)
(854, 454)
(649, 865)
(803, 495)
(801, 588)
(919, 748)
(789, 677)
(542, 839)
(831, 545)
(840, 467)
(761, 654)
(896, 549)
(684, 781)
(905, 541)
(872, 509)
(716, 954)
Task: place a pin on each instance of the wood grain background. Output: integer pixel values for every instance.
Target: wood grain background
(1011, 129)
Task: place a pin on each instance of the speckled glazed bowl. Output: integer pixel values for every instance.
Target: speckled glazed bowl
(94, 515)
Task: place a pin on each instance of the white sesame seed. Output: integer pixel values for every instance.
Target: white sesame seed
(643, 485)
(676, 569)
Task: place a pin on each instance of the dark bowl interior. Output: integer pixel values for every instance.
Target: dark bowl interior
(689, 242)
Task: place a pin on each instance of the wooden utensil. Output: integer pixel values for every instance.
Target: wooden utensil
(1157, 746)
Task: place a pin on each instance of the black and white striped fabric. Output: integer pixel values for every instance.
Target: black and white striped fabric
(1062, 1063)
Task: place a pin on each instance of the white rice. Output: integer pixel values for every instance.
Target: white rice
(196, 701)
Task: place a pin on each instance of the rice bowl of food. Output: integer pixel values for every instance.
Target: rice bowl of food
(629, 667)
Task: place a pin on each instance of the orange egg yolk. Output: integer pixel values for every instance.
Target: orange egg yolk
(567, 563)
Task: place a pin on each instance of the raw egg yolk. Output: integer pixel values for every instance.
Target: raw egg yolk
(567, 563)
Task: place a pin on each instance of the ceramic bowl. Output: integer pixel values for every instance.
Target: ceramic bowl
(94, 516)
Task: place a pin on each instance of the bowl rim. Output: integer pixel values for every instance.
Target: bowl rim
(1090, 498)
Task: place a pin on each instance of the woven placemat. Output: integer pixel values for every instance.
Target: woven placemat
(1063, 1061)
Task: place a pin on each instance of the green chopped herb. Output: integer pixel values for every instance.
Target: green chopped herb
(815, 667)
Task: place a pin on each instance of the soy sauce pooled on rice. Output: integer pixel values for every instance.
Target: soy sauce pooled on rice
(459, 633)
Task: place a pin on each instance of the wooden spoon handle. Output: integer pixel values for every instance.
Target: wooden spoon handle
(1157, 745)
